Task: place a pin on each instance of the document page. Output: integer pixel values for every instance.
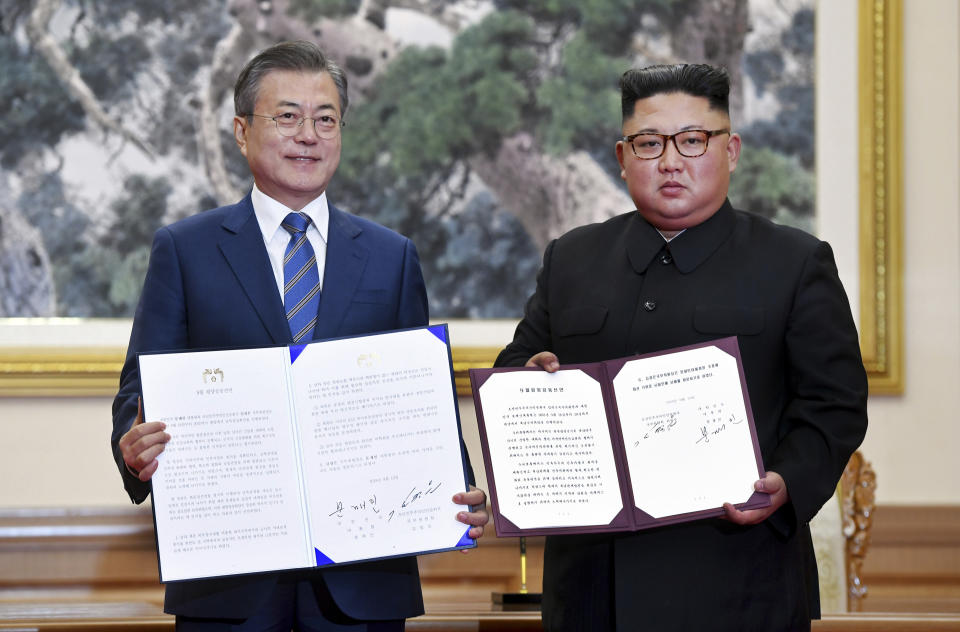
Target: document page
(380, 444)
(687, 439)
(550, 449)
(225, 496)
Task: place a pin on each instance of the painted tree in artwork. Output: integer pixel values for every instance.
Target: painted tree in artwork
(85, 85)
(513, 127)
(775, 174)
(481, 150)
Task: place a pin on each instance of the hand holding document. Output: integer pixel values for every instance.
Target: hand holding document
(295, 457)
(620, 445)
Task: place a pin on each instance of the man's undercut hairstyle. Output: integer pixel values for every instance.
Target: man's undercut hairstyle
(298, 56)
(698, 80)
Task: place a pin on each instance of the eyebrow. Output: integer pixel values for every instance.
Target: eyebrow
(294, 104)
(651, 130)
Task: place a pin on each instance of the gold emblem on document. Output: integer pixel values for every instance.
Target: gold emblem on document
(368, 360)
(212, 376)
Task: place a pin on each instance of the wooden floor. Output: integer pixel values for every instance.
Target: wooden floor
(140, 610)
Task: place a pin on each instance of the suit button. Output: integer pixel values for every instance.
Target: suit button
(666, 259)
(649, 305)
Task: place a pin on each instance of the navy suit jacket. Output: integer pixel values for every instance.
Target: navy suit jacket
(209, 284)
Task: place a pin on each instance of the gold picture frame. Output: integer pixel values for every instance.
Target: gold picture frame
(880, 71)
(51, 361)
(72, 369)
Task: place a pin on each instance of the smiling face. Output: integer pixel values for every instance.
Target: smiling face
(292, 170)
(673, 192)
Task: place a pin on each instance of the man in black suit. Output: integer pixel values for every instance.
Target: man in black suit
(216, 280)
(687, 267)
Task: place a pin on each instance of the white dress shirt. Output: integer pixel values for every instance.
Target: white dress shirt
(270, 215)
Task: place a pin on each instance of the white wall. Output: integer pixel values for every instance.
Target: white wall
(912, 439)
(55, 452)
(911, 436)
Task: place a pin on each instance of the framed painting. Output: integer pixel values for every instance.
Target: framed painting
(448, 182)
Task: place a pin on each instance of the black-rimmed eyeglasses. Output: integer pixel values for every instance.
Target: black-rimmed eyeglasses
(690, 143)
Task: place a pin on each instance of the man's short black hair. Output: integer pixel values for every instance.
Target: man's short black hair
(698, 80)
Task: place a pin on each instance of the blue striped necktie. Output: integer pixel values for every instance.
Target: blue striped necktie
(301, 280)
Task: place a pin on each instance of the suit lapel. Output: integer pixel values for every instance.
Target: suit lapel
(345, 262)
(242, 247)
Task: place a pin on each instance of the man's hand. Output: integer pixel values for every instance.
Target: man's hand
(141, 445)
(771, 483)
(477, 517)
(546, 360)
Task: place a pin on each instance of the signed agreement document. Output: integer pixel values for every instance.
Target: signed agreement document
(308, 455)
(621, 445)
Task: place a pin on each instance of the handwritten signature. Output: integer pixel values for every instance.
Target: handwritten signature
(705, 434)
(370, 503)
(659, 427)
(416, 493)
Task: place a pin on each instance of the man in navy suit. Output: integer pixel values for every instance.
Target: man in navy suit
(686, 267)
(216, 280)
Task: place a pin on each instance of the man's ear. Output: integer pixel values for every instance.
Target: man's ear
(620, 158)
(733, 151)
(240, 133)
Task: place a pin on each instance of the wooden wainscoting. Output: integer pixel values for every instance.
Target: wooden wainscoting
(93, 548)
(913, 563)
(77, 563)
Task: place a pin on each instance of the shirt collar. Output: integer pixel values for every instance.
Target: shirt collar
(672, 237)
(271, 213)
(689, 248)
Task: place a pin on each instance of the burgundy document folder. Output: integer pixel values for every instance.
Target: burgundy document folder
(621, 445)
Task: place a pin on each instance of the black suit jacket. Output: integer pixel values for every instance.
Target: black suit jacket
(209, 284)
(614, 289)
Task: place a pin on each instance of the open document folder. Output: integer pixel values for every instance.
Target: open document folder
(309, 455)
(621, 445)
